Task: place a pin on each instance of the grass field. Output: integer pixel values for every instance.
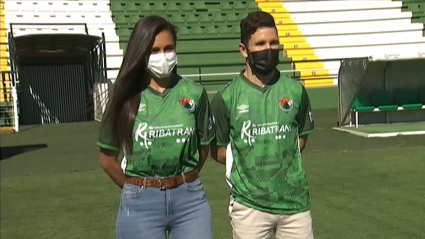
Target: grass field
(52, 186)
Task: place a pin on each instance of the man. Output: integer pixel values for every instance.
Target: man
(262, 121)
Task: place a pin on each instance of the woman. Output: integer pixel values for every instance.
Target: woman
(162, 123)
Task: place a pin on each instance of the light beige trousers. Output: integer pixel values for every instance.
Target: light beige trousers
(248, 223)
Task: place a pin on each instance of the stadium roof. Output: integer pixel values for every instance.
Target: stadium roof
(54, 45)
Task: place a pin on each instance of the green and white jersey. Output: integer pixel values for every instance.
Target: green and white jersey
(262, 126)
(168, 130)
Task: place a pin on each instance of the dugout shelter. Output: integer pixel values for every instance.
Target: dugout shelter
(382, 89)
(59, 76)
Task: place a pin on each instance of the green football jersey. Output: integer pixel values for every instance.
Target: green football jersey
(262, 126)
(168, 130)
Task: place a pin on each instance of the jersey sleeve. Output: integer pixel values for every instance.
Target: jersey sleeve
(204, 121)
(305, 116)
(105, 139)
(221, 116)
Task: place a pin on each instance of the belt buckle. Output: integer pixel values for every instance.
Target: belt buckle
(161, 187)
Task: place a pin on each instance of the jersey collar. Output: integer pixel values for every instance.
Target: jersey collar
(257, 87)
(173, 83)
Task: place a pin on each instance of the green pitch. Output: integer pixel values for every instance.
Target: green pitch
(52, 186)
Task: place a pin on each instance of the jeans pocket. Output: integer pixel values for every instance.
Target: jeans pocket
(194, 186)
(131, 191)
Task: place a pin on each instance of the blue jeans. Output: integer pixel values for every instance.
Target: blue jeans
(149, 213)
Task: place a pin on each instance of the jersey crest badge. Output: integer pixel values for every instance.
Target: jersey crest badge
(187, 104)
(286, 104)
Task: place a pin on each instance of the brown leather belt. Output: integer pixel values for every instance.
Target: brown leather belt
(165, 183)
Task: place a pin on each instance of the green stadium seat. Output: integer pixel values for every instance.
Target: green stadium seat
(205, 18)
(125, 32)
(407, 99)
(158, 7)
(197, 30)
(382, 100)
(242, 15)
(252, 6)
(239, 6)
(236, 29)
(177, 19)
(218, 18)
(133, 19)
(362, 104)
(211, 30)
(183, 31)
(121, 20)
(144, 6)
(231, 17)
(131, 7)
(208, 45)
(186, 7)
(225, 6)
(172, 7)
(200, 5)
(224, 30)
(191, 18)
(116, 6)
(414, 6)
(422, 96)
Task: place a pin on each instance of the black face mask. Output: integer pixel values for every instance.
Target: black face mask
(263, 62)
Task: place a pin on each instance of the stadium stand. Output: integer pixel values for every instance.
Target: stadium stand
(5, 89)
(208, 33)
(316, 34)
(3, 54)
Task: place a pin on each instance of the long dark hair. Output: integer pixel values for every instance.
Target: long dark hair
(132, 78)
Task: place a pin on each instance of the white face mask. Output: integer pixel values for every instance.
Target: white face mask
(162, 64)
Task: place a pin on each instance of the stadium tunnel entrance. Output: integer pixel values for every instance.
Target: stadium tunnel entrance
(58, 77)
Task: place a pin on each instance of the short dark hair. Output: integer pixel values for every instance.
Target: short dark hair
(252, 22)
(132, 78)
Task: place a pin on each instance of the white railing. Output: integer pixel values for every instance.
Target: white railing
(237, 73)
(10, 115)
(15, 108)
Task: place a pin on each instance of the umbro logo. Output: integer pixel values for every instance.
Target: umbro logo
(243, 108)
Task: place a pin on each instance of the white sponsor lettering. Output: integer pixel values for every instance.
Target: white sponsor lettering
(146, 134)
(142, 107)
(249, 131)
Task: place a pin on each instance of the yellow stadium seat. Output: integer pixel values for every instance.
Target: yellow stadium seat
(300, 52)
(287, 27)
(273, 10)
(305, 58)
(265, 5)
(309, 65)
(284, 20)
(286, 39)
(297, 45)
(290, 33)
(314, 73)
